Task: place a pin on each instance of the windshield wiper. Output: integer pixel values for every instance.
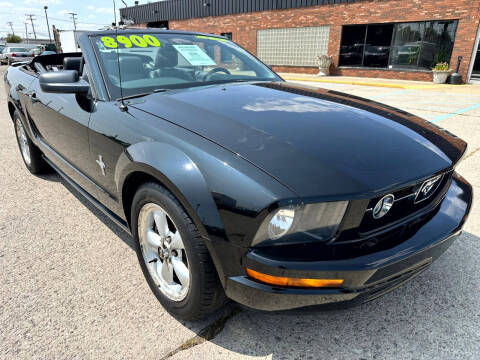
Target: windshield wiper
(227, 81)
(134, 96)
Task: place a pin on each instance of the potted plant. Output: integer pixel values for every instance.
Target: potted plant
(324, 62)
(440, 73)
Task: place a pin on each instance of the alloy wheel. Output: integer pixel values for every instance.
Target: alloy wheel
(23, 141)
(163, 252)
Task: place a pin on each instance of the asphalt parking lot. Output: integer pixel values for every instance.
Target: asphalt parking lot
(70, 285)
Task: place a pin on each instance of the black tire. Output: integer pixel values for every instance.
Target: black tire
(36, 165)
(205, 293)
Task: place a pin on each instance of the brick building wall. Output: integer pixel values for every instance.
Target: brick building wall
(244, 28)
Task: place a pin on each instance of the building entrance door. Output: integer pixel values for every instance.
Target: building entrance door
(476, 66)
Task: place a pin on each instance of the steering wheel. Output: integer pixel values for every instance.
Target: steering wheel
(216, 70)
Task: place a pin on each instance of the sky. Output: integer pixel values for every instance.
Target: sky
(91, 15)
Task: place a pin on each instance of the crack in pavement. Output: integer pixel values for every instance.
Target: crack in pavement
(208, 333)
(472, 153)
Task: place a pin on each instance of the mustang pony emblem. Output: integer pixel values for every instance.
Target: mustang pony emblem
(101, 164)
(426, 189)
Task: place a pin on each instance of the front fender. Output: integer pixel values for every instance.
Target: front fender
(179, 174)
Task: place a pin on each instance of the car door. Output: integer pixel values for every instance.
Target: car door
(111, 132)
(61, 122)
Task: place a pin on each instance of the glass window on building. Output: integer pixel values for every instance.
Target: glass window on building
(353, 43)
(415, 45)
(406, 45)
(377, 45)
(438, 43)
(227, 35)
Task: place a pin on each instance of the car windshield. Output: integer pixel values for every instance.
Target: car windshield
(153, 61)
(16, 49)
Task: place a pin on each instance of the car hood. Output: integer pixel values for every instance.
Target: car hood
(317, 142)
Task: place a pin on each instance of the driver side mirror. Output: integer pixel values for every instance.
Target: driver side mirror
(65, 82)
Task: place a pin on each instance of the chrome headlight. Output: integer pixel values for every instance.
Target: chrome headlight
(280, 223)
(290, 224)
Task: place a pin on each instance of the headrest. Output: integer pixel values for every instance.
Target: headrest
(131, 64)
(72, 63)
(167, 57)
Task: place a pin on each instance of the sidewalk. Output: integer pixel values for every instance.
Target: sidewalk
(389, 83)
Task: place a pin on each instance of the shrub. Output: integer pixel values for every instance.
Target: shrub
(441, 67)
(13, 38)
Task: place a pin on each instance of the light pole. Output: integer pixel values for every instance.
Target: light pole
(48, 26)
(73, 19)
(26, 32)
(11, 27)
(30, 16)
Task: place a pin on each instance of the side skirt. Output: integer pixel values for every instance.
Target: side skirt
(121, 223)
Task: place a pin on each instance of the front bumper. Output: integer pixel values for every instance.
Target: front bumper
(366, 277)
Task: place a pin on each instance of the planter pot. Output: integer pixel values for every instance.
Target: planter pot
(324, 62)
(440, 77)
(324, 71)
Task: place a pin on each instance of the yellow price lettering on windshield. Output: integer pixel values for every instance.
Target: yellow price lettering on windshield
(152, 40)
(125, 41)
(211, 38)
(137, 40)
(109, 42)
(132, 40)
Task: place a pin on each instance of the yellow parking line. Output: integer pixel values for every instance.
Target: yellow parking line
(346, 82)
(375, 83)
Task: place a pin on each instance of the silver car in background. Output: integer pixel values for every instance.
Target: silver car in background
(11, 54)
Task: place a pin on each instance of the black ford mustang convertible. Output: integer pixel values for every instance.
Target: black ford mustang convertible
(233, 183)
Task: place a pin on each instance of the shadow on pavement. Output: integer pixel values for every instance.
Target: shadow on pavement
(205, 326)
(118, 231)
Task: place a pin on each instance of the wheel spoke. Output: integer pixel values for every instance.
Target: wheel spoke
(163, 251)
(177, 242)
(166, 271)
(150, 255)
(181, 271)
(158, 268)
(153, 239)
(161, 222)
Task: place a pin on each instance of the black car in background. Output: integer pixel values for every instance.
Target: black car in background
(233, 183)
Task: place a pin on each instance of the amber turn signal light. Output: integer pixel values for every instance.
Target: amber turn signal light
(294, 282)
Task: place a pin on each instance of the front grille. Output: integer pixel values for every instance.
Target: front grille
(410, 205)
